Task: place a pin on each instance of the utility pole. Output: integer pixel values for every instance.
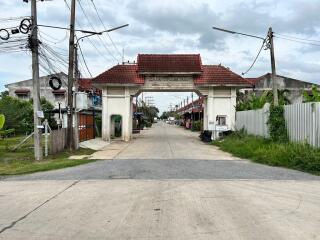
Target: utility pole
(76, 87)
(270, 46)
(34, 43)
(70, 138)
(273, 68)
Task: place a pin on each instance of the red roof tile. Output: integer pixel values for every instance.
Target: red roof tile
(125, 74)
(219, 75)
(253, 80)
(197, 106)
(169, 63)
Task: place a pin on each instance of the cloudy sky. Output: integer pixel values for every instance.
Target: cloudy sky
(180, 26)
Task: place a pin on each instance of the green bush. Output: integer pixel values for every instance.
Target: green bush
(297, 156)
(196, 126)
(2, 121)
(18, 114)
(277, 124)
(148, 124)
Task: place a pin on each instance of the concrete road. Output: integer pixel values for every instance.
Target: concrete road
(162, 192)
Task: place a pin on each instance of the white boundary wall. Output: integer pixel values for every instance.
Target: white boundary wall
(303, 123)
(254, 121)
(302, 120)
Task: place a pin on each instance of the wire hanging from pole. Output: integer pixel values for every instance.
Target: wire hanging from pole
(85, 63)
(256, 58)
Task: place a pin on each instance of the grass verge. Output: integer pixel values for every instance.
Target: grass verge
(22, 160)
(296, 156)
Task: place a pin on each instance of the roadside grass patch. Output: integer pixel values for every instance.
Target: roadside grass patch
(22, 160)
(296, 156)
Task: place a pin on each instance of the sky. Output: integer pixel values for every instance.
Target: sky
(180, 26)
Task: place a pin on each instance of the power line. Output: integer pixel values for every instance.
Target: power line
(297, 41)
(13, 18)
(55, 39)
(85, 63)
(296, 38)
(256, 58)
(105, 28)
(84, 13)
(89, 40)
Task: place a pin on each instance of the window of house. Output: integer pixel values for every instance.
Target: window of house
(221, 120)
(23, 96)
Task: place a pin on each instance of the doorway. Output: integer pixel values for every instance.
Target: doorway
(116, 126)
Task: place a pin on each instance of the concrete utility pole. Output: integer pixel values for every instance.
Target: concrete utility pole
(71, 77)
(76, 87)
(273, 68)
(36, 88)
(273, 64)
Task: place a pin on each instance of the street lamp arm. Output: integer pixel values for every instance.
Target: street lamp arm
(84, 31)
(233, 32)
(115, 28)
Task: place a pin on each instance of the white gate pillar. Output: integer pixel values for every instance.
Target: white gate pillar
(210, 110)
(233, 103)
(127, 117)
(205, 114)
(105, 116)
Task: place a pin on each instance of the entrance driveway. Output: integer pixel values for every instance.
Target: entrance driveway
(165, 184)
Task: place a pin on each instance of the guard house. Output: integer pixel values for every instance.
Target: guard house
(168, 73)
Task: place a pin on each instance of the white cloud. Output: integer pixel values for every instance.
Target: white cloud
(181, 26)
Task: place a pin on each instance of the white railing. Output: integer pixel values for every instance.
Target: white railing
(302, 120)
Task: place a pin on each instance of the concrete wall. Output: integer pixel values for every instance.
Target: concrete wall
(116, 101)
(220, 102)
(295, 86)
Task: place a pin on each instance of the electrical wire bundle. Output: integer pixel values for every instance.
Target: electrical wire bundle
(10, 39)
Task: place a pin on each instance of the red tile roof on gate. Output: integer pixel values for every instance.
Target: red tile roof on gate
(169, 63)
(219, 75)
(175, 64)
(123, 74)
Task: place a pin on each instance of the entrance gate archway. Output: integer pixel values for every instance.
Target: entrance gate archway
(168, 73)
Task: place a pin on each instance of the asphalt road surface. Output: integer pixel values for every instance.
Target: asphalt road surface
(165, 184)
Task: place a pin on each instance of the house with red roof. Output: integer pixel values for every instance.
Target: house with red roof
(215, 84)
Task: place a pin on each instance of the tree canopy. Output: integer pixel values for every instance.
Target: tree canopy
(313, 97)
(19, 113)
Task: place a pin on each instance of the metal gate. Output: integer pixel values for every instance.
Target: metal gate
(86, 127)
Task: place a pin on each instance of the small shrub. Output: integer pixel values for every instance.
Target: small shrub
(148, 124)
(196, 126)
